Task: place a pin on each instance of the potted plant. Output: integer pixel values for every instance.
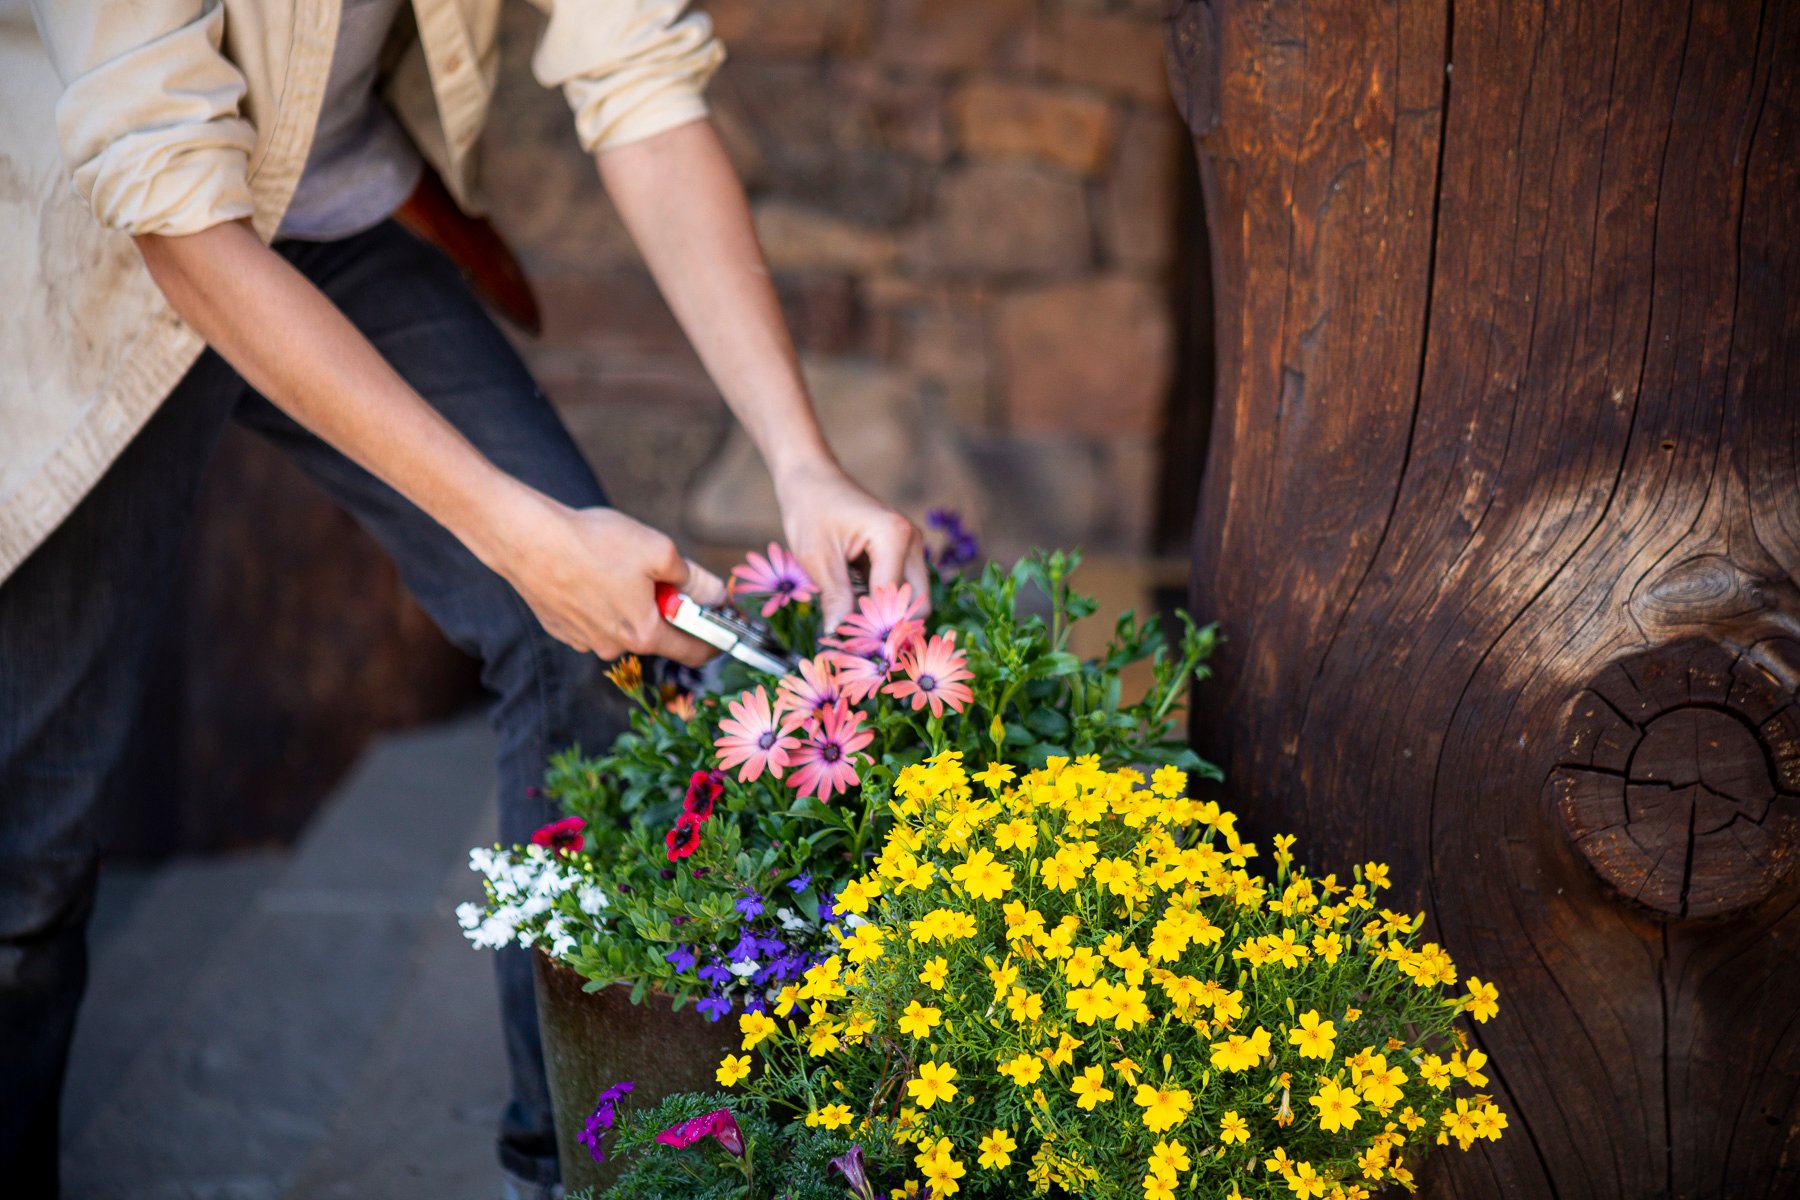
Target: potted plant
(704, 853)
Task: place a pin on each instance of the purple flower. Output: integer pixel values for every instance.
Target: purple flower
(713, 1007)
(749, 905)
(828, 908)
(856, 1176)
(756, 1002)
(960, 547)
(682, 958)
(718, 1124)
(801, 882)
(714, 973)
(601, 1119)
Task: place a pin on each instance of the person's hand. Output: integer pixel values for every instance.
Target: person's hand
(590, 575)
(830, 521)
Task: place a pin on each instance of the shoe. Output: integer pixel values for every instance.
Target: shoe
(519, 1189)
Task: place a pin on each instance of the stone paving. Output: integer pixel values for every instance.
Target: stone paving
(301, 1027)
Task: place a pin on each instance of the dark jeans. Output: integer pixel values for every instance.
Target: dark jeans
(78, 621)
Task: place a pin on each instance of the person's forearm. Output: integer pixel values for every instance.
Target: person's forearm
(292, 345)
(683, 205)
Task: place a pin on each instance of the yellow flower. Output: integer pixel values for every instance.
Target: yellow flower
(1023, 1006)
(1240, 1053)
(1376, 874)
(1169, 1158)
(1483, 1000)
(1018, 833)
(1336, 1105)
(935, 972)
(830, 1117)
(1304, 1182)
(1024, 1069)
(1313, 1036)
(864, 944)
(1082, 966)
(1156, 1187)
(1328, 946)
(934, 1083)
(940, 1168)
(755, 1027)
(1164, 1108)
(1128, 1070)
(854, 897)
(1092, 1004)
(1090, 1089)
(996, 1150)
(997, 775)
(735, 1068)
(918, 1019)
(982, 877)
(1168, 782)
(1378, 1082)
(1233, 1128)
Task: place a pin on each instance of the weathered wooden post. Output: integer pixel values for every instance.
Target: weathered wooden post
(1502, 517)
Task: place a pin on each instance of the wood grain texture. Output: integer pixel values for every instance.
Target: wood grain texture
(1501, 516)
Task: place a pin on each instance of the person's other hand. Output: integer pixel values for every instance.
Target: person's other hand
(590, 575)
(830, 521)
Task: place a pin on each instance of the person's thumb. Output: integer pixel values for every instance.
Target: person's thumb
(705, 587)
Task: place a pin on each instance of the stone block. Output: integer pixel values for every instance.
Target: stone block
(1063, 127)
(824, 312)
(1092, 357)
(1006, 219)
(884, 109)
(884, 430)
(791, 27)
(1140, 206)
(951, 35)
(1121, 52)
(797, 237)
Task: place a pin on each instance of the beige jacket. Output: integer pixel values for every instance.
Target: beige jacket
(120, 117)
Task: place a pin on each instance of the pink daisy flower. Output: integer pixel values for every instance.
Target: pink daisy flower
(756, 737)
(886, 623)
(859, 676)
(780, 577)
(813, 688)
(935, 672)
(826, 760)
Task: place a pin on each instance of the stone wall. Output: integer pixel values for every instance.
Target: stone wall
(970, 208)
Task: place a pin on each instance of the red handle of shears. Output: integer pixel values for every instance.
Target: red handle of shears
(668, 599)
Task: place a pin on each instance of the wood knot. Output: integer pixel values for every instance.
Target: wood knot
(1680, 775)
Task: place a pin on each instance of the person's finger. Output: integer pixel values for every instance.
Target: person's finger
(888, 542)
(701, 584)
(832, 575)
(916, 574)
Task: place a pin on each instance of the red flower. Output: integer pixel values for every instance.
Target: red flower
(684, 839)
(703, 791)
(562, 836)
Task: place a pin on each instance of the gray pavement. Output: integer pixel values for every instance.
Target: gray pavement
(301, 1027)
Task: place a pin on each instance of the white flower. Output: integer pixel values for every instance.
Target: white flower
(745, 969)
(851, 921)
(789, 921)
(468, 915)
(591, 900)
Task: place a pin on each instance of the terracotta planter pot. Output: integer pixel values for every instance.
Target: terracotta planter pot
(593, 1040)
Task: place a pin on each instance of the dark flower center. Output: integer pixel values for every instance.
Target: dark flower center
(766, 740)
(831, 753)
(928, 683)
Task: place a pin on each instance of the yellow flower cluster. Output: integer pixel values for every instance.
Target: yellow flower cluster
(1023, 943)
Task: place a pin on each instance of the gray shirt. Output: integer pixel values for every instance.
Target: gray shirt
(362, 165)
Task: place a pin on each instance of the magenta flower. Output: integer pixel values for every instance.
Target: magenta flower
(780, 577)
(756, 736)
(886, 624)
(859, 676)
(935, 673)
(718, 1124)
(562, 836)
(811, 691)
(826, 760)
(855, 1172)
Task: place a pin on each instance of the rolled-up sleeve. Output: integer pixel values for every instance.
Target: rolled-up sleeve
(629, 68)
(149, 119)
